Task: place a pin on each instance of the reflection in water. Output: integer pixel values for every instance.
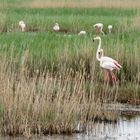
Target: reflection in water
(124, 129)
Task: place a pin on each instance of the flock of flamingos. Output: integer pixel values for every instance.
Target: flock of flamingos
(107, 63)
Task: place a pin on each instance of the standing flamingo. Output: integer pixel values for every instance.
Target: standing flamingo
(99, 28)
(22, 25)
(107, 63)
(110, 28)
(82, 33)
(56, 27)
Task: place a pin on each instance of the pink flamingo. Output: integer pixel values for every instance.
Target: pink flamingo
(99, 28)
(107, 63)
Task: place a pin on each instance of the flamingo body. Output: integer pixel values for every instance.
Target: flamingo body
(109, 64)
(56, 27)
(22, 25)
(99, 25)
(99, 28)
(82, 33)
(113, 63)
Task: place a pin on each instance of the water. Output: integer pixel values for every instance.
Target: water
(126, 128)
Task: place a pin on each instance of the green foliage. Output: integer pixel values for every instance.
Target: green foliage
(49, 50)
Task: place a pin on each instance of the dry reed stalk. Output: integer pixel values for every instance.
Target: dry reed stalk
(24, 66)
(27, 107)
(50, 104)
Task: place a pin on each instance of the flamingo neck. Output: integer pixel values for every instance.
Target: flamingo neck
(98, 50)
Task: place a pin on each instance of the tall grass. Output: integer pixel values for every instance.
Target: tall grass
(48, 104)
(72, 20)
(49, 51)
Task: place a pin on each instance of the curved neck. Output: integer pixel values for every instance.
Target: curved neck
(99, 45)
(98, 50)
(102, 53)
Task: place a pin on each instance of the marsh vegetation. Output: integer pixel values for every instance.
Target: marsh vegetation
(51, 82)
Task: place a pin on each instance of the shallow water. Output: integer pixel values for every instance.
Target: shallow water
(126, 128)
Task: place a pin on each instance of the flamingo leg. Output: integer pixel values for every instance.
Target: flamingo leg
(113, 78)
(106, 76)
(109, 76)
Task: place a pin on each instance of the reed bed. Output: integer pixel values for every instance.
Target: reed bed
(51, 83)
(47, 104)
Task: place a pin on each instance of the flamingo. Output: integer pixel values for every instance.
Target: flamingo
(22, 25)
(110, 28)
(99, 28)
(107, 63)
(82, 33)
(56, 27)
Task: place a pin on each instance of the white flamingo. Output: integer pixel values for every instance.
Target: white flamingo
(56, 27)
(22, 25)
(99, 28)
(110, 28)
(107, 63)
(82, 33)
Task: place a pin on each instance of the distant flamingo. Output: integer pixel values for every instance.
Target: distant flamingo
(22, 25)
(82, 33)
(110, 28)
(107, 63)
(99, 28)
(56, 27)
